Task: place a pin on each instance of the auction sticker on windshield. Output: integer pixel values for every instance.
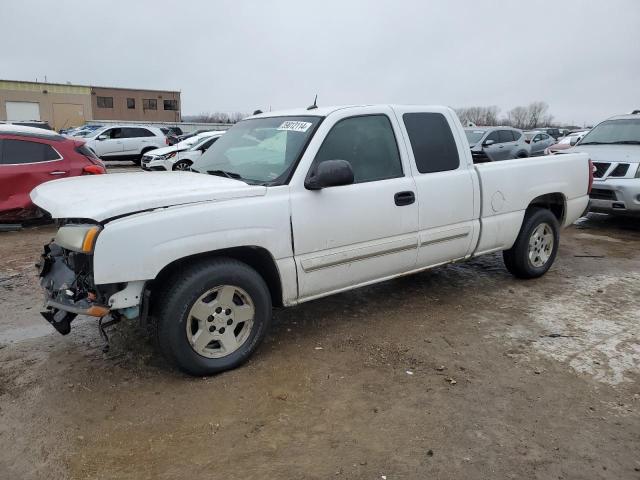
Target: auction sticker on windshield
(295, 126)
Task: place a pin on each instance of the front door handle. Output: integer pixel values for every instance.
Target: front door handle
(57, 172)
(404, 198)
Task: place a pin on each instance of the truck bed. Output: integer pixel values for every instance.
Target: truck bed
(509, 187)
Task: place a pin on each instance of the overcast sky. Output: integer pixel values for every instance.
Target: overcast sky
(580, 56)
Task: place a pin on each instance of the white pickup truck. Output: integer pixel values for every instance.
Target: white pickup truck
(288, 207)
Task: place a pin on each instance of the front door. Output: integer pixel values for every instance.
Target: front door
(497, 150)
(112, 145)
(350, 235)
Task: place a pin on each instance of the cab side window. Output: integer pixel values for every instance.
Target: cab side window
(367, 143)
(432, 142)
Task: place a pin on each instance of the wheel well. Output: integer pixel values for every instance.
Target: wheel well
(551, 201)
(256, 257)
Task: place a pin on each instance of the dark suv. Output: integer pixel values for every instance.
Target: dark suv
(490, 144)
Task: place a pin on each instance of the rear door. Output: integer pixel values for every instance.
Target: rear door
(25, 164)
(508, 143)
(447, 187)
(134, 140)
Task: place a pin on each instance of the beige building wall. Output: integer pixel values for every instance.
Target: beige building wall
(134, 105)
(63, 106)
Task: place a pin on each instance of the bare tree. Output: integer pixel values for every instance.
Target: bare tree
(479, 115)
(537, 110)
(517, 117)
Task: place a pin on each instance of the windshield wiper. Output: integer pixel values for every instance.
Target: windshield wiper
(628, 142)
(224, 173)
(595, 143)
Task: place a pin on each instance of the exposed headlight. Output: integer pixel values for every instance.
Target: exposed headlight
(79, 238)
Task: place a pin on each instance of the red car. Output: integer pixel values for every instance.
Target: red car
(31, 156)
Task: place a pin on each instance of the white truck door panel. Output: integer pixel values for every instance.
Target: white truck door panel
(350, 235)
(446, 186)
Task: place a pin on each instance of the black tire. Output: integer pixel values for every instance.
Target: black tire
(188, 163)
(174, 301)
(517, 260)
(522, 155)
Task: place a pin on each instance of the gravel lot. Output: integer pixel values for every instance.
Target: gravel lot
(462, 372)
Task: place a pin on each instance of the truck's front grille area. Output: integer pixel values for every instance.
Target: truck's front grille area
(602, 194)
(620, 171)
(601, 169)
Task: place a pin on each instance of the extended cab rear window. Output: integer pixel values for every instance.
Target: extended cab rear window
(432, 142)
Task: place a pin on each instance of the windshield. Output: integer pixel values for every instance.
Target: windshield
(188, 142)
(474, 136)
(260, 150)
(626, 131)
(201, 141)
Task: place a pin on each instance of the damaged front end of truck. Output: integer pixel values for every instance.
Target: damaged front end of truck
(65, 269)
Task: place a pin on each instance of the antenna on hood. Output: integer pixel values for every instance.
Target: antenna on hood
(315, 104)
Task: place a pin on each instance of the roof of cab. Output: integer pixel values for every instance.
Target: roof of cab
(304, 112)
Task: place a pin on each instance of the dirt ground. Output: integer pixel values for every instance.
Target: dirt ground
(462, 372)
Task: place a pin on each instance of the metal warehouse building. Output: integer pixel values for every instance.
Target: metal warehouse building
(66, 105)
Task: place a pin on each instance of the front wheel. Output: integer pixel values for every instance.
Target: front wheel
(536, 247)
(212, 316)
(182, 165)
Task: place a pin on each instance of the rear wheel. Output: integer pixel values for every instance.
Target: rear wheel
(522, 155)
(536, 247)
(212, 316)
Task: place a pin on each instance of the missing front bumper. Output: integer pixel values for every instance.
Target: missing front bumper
(66, 296)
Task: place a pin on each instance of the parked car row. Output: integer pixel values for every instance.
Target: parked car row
(490, 144)
(181, 155)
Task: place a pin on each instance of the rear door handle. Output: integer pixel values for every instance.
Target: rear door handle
(57, 172)
(404, 198)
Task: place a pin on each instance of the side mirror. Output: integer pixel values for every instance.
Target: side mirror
(488, 143)
(102, 137)
(329, 173)
(573, 141)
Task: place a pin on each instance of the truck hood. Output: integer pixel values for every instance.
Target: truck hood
(608, 153)
(100, 197)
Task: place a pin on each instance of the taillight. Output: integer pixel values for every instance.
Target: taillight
(93, 170)
(591, 169)
(166, 140)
